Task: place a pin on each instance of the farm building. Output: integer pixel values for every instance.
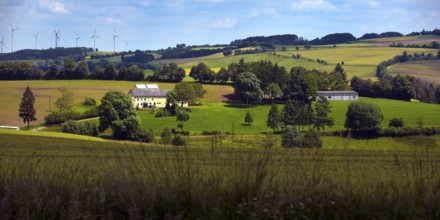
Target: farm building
(338, 95)
(148, 96)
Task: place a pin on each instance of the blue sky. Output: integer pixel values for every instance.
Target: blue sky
(155, 24)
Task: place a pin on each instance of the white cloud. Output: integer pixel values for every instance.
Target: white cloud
(303, 5)
(53, 6)
(225, 22)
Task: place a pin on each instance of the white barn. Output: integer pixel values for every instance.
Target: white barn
(338, 95)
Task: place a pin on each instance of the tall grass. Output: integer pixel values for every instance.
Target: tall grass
(45, 178)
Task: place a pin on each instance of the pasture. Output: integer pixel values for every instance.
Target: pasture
(229, 117)
(427, 71)
(89, 179)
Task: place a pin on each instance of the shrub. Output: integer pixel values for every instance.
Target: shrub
(211, 132)
(311, 139)
(58, 117)
(89, 101)
(290, 137)
(166, 135)
(82, 128)
(396, 122)
(143, 136)
(91, 113)
(178, 140)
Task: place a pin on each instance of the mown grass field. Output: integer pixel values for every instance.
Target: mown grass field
(427, 71)
(46, 178)
(226, 117)
(12, 91)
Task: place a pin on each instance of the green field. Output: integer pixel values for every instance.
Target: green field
(230, 118)
(47, 178)
(427, 71)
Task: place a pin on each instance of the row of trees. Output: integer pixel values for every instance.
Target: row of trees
(263, 79)
(299, 85)
(69, 70)
(296, 113)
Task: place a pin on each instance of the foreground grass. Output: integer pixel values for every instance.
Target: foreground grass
(50, 178)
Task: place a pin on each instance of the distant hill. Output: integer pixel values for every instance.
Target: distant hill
(75, 53)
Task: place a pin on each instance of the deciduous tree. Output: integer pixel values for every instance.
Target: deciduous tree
(273, 118)
(247, 88)
(362, 116)
(66, 100)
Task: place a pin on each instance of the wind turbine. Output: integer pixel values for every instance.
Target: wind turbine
(13, 29)
(76, 39)
(2, 44)
(94, 39)
(36, 39)
(126, 45)
(114, 40)
(57, 37)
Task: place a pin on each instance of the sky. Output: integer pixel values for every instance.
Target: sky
(156, 24)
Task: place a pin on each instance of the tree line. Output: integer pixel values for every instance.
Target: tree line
(75, 53)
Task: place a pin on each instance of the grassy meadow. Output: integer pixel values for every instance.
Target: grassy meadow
(91, 179)
(427, 70)
(227, 117)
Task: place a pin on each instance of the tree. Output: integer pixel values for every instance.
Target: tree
(27, 111)
(402, 88)
(362, 116)
(322, 109)
(202, 73)
(53, 72)
(110, 72)
(166, 135)
(274, 91)
(437, 93)
(98, 73)
(68, 70)
(182, 116)
(290, 137)
(188, 92)
(223, 76)
(247, 88)
(248, 119)
(116, 112)
(169, 72)
(81, 71)
(66, 100)
(273, 118)
(289, 113)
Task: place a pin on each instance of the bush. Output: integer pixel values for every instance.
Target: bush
(290, 137)
(311, 139)
(211, 132)
(178, 140)
(396, 122)
(409, 131)
(82, 128)
(161, 113)
(91, 113)
(58, 117)
(166, 135)
(89, 101)
(143, 136)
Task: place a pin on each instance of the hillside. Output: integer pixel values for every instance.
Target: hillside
(427, 71)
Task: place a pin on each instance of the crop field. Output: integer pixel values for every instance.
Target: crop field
(427, 71)
(46, 92)
(90, 179)
(227, 117)
(404, 40)
(360, 60)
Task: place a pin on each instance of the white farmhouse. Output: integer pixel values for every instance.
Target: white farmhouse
(148, 96)
(338, 95)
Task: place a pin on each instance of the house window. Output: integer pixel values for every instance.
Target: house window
(158, 103)
(152, 98)
(354, 96)
(329, 97)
